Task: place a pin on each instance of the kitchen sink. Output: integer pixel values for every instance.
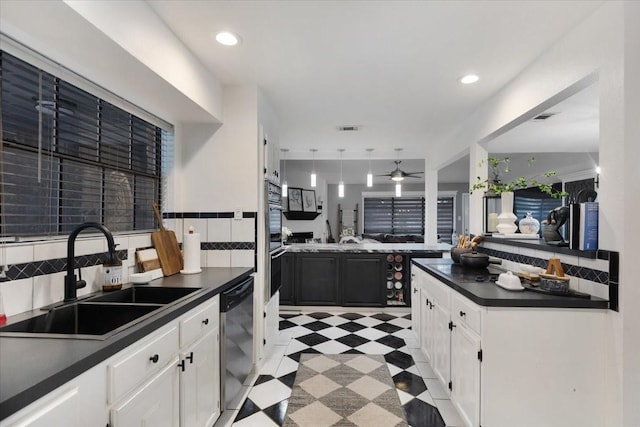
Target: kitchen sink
(81, 321)
(144, 295)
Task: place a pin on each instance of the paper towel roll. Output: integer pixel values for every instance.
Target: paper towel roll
(191, 247)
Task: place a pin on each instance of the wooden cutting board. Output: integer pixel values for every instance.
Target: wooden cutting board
(147, 260)
(167, 247)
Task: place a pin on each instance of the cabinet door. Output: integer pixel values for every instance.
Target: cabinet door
(153, 404)
(200, 382)
(286, 290)
(317, 279)
(363, 281)
(465, 374)
(80, 402)
(426, 325)
(441, 350)
(416, 312)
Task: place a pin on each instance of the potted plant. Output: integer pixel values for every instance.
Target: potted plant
(496, 187)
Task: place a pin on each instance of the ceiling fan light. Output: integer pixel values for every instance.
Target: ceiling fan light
(369, 179)
(398, 190)
(397, 178)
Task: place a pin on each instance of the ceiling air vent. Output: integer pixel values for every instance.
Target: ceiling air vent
(349, 128)
(543, 116)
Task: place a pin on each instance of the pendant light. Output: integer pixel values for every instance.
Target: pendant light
(313, 168)
(341, 183)
(369, 174)
(285, 187)
(398, 179)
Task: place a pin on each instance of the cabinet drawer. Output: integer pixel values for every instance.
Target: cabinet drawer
(199, 321)
(465, 311)
(138, 363)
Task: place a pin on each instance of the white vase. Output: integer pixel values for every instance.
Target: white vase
(506, 219)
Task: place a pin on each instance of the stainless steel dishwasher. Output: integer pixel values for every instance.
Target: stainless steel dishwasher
(236, 326)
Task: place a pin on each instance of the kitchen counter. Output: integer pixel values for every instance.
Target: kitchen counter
(487, 293)
(368, 247)
(32, 367)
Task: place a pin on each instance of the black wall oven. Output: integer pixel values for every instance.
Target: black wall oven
(274, 238)
(274, 216)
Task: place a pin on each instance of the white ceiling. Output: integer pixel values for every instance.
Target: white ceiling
(388, 66)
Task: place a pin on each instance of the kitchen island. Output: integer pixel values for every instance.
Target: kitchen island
(33, 367)
(510, 357)
(351, 274)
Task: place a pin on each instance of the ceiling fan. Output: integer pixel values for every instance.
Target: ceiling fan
(398, 174)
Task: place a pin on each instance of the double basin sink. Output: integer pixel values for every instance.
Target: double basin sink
(98, 317)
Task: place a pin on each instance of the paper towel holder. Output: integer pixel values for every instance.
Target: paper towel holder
(194, 268)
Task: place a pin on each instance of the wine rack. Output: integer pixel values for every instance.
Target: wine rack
(396, 279)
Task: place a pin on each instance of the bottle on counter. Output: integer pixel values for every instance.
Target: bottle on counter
(112, 276)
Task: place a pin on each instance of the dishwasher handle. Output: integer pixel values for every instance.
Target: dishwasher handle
(234, 296)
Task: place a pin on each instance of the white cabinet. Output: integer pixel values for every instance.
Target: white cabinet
(465, 373)
(200, 365)
(155, 403)
(141, 360)
(435, 328)
(441, 351)
(172, 377)
(507, 366)
(271, 158)
(416, 303)
(79, 403)
(169, 378)
(200, 382)
(271, 313)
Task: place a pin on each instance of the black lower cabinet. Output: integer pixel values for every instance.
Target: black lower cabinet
(362, 280)
(316, 279)
(287, 296)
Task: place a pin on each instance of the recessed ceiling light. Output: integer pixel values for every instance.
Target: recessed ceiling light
(469, 78)
(227, 38)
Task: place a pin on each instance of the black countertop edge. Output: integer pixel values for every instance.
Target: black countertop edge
(527, 299)
(430, 252)
(112, 345)
(540, 245)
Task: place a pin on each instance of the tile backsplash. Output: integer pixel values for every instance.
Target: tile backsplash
(35, 271)
(588, 275)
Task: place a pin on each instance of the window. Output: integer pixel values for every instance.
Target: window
(393, 215)
(445, 218)
(534, 201)
(68, 157)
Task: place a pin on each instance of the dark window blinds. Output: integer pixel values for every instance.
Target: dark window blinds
(394, 215)
(445, 218)
(68, 157)
(534, 201)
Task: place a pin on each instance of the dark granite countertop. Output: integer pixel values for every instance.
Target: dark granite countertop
(369, 248)
(487, 293)
(32, 367)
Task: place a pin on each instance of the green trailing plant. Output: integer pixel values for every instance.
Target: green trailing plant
(495, 185)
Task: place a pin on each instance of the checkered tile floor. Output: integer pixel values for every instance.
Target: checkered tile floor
(423, 398)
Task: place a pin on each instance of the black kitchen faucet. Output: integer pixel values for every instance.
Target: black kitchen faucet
(71, 285)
